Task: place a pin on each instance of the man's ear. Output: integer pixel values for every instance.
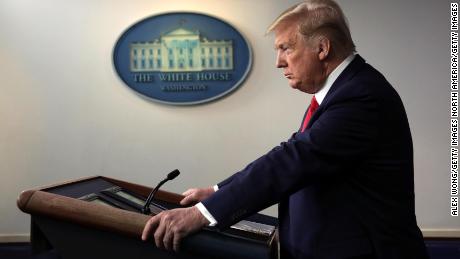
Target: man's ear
(324, 48)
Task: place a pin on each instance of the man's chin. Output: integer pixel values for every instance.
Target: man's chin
(305, 89)
(294, 85)
(297, 87)
(308, 91)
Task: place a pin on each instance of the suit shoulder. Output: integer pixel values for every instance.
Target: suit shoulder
(370, 81)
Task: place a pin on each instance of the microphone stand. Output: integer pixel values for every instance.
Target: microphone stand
(146, 208)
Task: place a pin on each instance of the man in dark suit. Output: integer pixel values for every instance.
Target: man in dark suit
(344, 181)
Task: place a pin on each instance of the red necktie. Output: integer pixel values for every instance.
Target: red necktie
(313, 107)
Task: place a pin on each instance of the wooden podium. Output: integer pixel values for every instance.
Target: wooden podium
(99, 217)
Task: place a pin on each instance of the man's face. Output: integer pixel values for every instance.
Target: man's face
(299, 61)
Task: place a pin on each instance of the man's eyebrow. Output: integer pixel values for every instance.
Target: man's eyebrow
(289, 43)
(276, 46)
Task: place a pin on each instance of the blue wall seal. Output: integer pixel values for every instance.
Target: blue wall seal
(182, 58)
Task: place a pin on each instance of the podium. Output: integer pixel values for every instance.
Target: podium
(99, 217)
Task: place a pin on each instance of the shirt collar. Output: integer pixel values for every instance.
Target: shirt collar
(321, 94)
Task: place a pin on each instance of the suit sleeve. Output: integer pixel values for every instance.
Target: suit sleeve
(238, 174)
(342, 134)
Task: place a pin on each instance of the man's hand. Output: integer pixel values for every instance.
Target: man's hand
(169, 227)
(196, 195)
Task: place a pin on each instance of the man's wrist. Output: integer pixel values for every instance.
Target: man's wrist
(203, 221)
(206, 214)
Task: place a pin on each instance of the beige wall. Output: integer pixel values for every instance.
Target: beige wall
(65, 114)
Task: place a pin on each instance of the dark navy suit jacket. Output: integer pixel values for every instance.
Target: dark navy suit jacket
(345, 186)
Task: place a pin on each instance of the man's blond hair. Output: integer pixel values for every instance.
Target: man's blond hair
(319, 18)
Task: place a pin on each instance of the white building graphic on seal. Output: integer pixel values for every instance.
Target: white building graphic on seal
(181, 50)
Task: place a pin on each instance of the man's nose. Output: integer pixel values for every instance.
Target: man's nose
(280, 61)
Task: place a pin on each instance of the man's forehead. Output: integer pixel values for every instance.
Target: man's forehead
(286, 36)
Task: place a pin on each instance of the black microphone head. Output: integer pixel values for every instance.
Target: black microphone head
(173, 174)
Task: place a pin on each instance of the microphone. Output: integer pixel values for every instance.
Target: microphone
(171, 176)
